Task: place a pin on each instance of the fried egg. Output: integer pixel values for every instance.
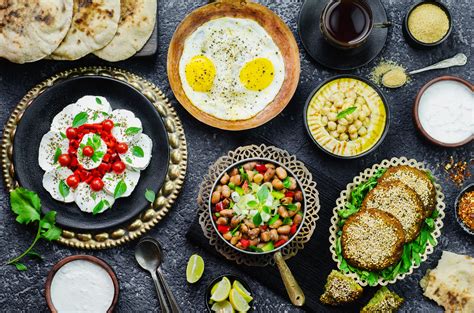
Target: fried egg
(231, 68)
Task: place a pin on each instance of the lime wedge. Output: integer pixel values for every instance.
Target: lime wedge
(194, 269)
(222, 290)
(222, 307)
(241, 289)
(238, 302)
(213, 289)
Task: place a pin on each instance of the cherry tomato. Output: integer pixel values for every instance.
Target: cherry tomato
(107, 125)
(261, 168)
(71, 133)
(118, 167)
(97, 184)
(72, 181)
(88, 151)
(122, 148)
(64, 159)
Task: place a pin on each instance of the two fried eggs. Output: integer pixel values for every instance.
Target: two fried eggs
(231, 68)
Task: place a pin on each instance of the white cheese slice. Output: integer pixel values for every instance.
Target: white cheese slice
(112, 179)
(97, 108)
(52, 144)
(126, 126)
(63, 120)
(87, 199)
(54, 181)
(100, 150)
(138, 155)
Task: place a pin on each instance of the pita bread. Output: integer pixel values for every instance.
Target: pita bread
(137, 22)
(94, 24)
(32, 29)
(451, 283)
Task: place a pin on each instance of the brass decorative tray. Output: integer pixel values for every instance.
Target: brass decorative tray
(171, 187)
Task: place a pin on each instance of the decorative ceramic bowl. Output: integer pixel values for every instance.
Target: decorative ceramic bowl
(466, 189)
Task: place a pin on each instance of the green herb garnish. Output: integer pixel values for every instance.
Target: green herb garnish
(257, 219)
(63, 135)
(150, 195)
(138, 152)
(262, 194)
(273, 219)
(27, 206)
(255, 249)
(79, 119)
(287, 221)
(63, 189)
(97, 99)
(346, 112)
(120, 189)
(235, 229)
(57, 154)
(286, 183)
(244, 175)
(132, 131)
(100, 206)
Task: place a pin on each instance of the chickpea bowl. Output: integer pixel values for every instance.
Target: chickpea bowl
(347, 116)
(257, 206)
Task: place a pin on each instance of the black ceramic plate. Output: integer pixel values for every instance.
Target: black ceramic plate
(232, 278)
(324, 53)
(36, 121)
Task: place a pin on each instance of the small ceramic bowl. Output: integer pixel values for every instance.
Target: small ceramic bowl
(88, 258)
(416, 117)
(412, 41)
(468, 188)
(290, 173)
(231, 277)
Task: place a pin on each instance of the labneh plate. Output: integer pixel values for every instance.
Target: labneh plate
(37, 120)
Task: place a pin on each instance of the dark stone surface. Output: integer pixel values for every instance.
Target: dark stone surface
(23, 291)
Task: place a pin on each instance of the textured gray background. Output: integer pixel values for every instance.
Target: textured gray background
(23, 291)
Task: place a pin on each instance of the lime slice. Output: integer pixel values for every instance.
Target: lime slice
(222, 290)
(241, 289)
(222, 307)
(238, 302)
(194, 269)
(214, 288)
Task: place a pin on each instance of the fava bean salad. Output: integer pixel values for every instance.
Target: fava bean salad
(257, 206)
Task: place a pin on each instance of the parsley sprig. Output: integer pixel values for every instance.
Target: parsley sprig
(27, 206)
(412, 251)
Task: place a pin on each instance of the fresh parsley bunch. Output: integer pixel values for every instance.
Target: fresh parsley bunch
(27, 206)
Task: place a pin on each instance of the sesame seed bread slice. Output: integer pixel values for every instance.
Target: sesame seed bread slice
(401, 201)
(372, 240)
(417, 180)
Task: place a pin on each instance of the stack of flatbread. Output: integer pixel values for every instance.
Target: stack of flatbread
(451, 283)
(114, 30)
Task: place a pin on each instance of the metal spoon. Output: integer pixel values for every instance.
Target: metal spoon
(149, 256)
(459, 59)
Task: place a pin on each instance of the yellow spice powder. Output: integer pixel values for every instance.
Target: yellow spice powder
(428, 23)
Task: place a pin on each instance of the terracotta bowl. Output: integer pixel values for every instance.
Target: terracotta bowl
(417, 118)
(89, 258)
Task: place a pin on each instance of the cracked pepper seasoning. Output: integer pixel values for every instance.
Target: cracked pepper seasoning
(428, 23)
(466, 209)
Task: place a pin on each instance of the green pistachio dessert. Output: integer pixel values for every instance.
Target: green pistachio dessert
(340, 289)
(383, 301)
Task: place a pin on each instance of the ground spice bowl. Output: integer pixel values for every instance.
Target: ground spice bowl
(232, 278)
(415, 43)
(88, 258)
(466, 189)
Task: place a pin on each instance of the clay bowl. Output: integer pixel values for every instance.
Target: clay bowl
(416, 117)
(88, 258)
(468, 188)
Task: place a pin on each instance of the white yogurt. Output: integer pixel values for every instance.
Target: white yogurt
(446, 111)
(82, 286)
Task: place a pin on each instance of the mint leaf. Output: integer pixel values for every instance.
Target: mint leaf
(79, 119)
(346, 112)
(63, 189)
(287, 182)
(120, 189)
(252, 204)
(150, 195)
(97, 99)
(262, 194)
(57, 154)
(138, 152)
(257, 219)
(132, 131)
(26, 204)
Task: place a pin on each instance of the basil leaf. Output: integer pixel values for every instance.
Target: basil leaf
(120, 189)
(97, 99)
(138, 152)
(252, 204)
(98, 208)
(150, 195)
(93, 196)
(132, 131)
(57, 154)
(273, 219)
(79, 119)
(128, 160)
(346, 112)
(63, 189)
(286, 183)
(262, 194)
(63, 135)
(257, 219)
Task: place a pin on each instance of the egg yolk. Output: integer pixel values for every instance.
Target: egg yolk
(200, 73)
(257, 74)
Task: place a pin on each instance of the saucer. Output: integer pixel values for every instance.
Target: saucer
(329, 56)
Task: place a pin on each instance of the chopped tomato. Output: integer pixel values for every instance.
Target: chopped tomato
(244, 243)
(289, 194)
(293, 228)
(261, 168)
(223, 228)
(279, 243)
(219, 206)
(264, 227)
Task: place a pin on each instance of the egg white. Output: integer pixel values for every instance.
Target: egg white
(230, 43)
